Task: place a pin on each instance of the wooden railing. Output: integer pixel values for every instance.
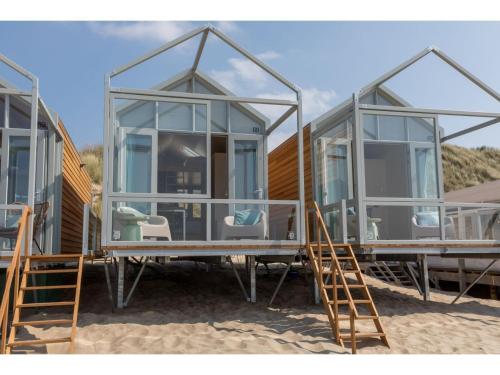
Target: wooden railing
(13, 274)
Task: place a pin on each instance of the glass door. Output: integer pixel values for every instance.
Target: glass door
(246, 167)
(424, 171)
(336, 171)
(136, 164)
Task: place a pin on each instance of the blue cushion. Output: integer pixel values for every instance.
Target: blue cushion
(428, 219)
(246, 217)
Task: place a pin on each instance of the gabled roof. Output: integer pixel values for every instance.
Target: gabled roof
(377, 84)
(212, 84)
(346, 106)
(51, 115)
(188, 74)
(205, 31)
(444, 57)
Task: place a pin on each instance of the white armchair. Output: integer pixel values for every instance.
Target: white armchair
(258, 231)
(156, 226)
(429, 229)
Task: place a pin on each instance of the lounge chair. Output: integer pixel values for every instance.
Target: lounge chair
(425, 225)
(157, 227)
(133, 225)
(232, 230)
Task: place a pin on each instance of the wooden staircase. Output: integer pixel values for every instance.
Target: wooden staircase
(391, 272)
(24, 289)
(345, 301)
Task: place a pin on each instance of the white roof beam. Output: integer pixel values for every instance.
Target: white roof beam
(17, 68)
(200, 50)
(255, 60)
(471, 129)
(158, 51)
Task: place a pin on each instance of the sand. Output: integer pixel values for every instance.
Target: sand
(181, 309)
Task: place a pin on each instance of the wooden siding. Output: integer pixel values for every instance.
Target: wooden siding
(283, 169)
(76, 191)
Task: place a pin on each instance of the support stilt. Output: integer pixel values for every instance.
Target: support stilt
(424, 277)
(108, 283)
(121, 282)
(236, 273)
(462, 279)
(253, 288)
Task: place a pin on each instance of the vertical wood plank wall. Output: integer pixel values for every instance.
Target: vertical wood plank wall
(76, 191)
(283, 169)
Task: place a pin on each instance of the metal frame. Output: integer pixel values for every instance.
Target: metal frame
(52, 158)
(400, 108)
(162, 93)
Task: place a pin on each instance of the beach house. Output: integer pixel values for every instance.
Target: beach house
(40, 168)
(186, 169)
(373, 165)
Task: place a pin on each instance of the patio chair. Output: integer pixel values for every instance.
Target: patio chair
(425, 225)
(156, 226)
(236, 229)
(11, 231)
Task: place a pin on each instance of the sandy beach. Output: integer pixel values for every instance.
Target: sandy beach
(182, 309)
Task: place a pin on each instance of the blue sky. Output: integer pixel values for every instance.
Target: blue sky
(328, 60)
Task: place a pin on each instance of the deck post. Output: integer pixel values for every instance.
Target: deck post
(462, 280)
(121, 282)
(253, 291)
(424, 277)
(317, 298)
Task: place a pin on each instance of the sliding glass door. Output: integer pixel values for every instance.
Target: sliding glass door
(246, 167)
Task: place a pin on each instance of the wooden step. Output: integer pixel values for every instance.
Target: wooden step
(360, 317)
(46, 304)
(345, 258)
(340, 286)
(346, 302)
(43, 322)
(351, 271)
(360, 335)
(58, 257)
(62, 270)
(49, 287)
(39, 342)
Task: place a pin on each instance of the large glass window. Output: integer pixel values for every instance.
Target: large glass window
(136, 114)
(182, 163)
(18, 177)
(243, 123)
(403, 223)
(387, 170)
(175, 116)
(218, 109)
(400, 157)
(18, 118)
(138, 163)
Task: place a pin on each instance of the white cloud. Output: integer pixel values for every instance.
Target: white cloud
(314, 101)
(155, 31)
(268, 55)
(243, 72)
(226, 78)
(227, 26)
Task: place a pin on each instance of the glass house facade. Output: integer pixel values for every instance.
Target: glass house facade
(31, 162)
(378, 172)
(186, 165)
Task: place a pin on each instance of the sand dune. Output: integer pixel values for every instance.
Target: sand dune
(184, 310)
